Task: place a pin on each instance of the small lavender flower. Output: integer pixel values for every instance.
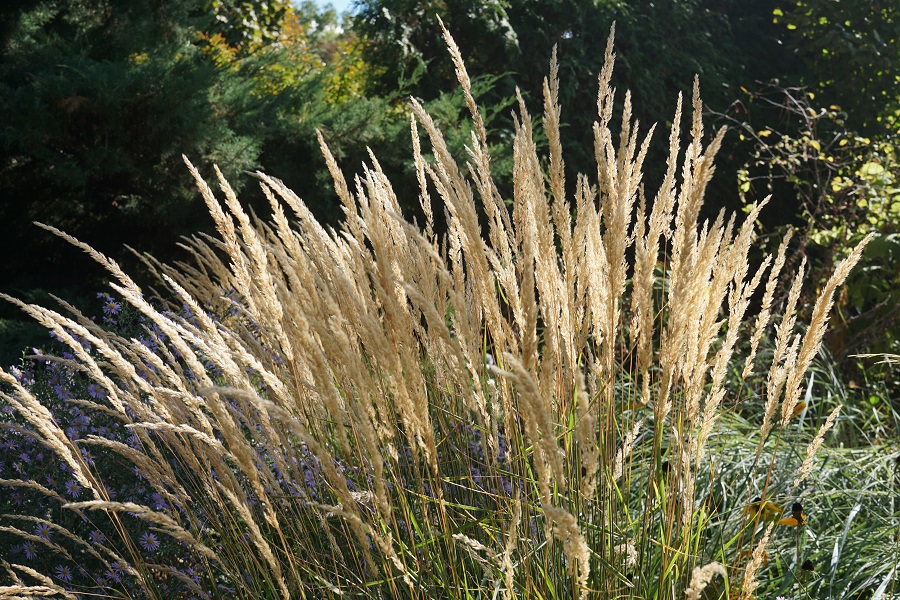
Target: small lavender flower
(97, 537)
(86, 344)
(110, 306)
(63, 573)
(149, 542)
(193, 574)
(43, 531)
(115, 571)
(29, 549)
(23, 376)
(96, 391)
(72, 488)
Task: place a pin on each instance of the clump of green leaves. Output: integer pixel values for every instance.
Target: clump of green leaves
(847, 186)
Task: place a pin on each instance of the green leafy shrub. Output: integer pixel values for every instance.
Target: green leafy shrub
(847, 188)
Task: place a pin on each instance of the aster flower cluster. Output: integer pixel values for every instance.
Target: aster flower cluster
(77, 402)
(29, 472)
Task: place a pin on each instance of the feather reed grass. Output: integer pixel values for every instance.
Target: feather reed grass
(521, 407)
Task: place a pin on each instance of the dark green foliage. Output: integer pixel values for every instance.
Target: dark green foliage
(403, 40)
(851, 53)
(100, 100)
(661, 45)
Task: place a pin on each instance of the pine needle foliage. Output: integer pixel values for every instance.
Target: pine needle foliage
(520, 408)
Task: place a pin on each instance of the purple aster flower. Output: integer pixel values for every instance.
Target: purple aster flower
(115, 571)
(110, 306)
(97, 537)
(193, 574)
(86, 344)
(309, 477)
(23, 376)
(72, 488)
(39, 352)
(96, 391)
(43, 531)
(63, 573)
(29, 549)
(149, 542)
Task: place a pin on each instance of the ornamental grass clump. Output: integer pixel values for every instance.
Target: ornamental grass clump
(521, 407)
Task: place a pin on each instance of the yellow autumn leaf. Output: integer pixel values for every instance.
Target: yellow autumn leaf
(871, 168)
